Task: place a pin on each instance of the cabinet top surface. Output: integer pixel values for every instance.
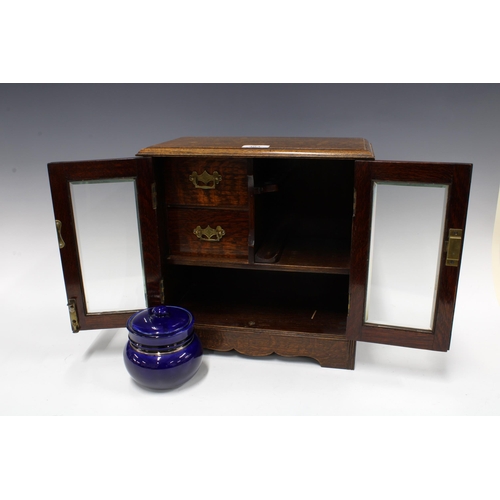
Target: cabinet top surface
(252, 147)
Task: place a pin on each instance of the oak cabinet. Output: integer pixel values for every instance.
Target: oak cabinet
(294, 246)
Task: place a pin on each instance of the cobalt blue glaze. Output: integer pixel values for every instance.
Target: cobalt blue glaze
(160, 326)
(163, 351)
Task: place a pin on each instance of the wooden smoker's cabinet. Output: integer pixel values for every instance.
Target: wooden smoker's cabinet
(277, 245)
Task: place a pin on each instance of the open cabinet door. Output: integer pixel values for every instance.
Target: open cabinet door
(408, 230)
(106, 222)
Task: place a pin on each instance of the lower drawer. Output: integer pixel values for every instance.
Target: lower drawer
(208, 233)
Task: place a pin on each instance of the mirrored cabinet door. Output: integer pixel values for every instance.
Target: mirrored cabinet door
(408, 231)
(106, 223)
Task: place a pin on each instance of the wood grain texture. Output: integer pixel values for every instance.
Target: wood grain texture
(457, 177)
(232, 190)
(305, 147)
(60, 176)
(329, 352)
(181, 223)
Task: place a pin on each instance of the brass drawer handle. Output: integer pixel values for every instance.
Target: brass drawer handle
(209, 181)
(209, 234)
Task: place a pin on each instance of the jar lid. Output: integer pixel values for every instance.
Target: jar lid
(160, 325)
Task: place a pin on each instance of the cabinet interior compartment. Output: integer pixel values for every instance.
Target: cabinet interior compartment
(303, 213)
(203, 219)
(260, 299)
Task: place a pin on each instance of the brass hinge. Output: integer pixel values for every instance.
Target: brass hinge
(348, 304)
(153, 195)
(354, 205)
(73, 316)
(454, 247)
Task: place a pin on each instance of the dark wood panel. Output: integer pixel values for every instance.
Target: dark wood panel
(457, 177)
(329, 352)
(182, 222)
(316, 255)
(231, 190)
(320, 317)
(449, 275)
(208, 261)
(291, 302)
(60, 176)
(258, 313)
(298, 147)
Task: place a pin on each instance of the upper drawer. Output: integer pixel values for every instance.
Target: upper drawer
(206, 182)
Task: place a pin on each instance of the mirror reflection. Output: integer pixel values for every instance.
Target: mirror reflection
(405, 251)
(107, 228)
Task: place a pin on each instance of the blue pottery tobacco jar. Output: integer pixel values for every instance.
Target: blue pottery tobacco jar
(163, 351)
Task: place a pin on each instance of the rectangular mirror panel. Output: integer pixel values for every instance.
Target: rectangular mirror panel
(405, 251)
(109, 245)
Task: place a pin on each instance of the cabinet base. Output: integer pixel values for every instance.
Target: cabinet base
(330, 351)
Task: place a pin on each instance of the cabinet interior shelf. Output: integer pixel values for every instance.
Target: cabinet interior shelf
(319, 255)
(284, 302)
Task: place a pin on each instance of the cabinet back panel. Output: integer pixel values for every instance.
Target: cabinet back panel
(311, 202)
(292, 302)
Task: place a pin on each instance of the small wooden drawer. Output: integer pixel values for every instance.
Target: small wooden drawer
(206, 182)
(208, 232)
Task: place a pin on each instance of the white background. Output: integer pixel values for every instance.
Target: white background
(47, 371)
